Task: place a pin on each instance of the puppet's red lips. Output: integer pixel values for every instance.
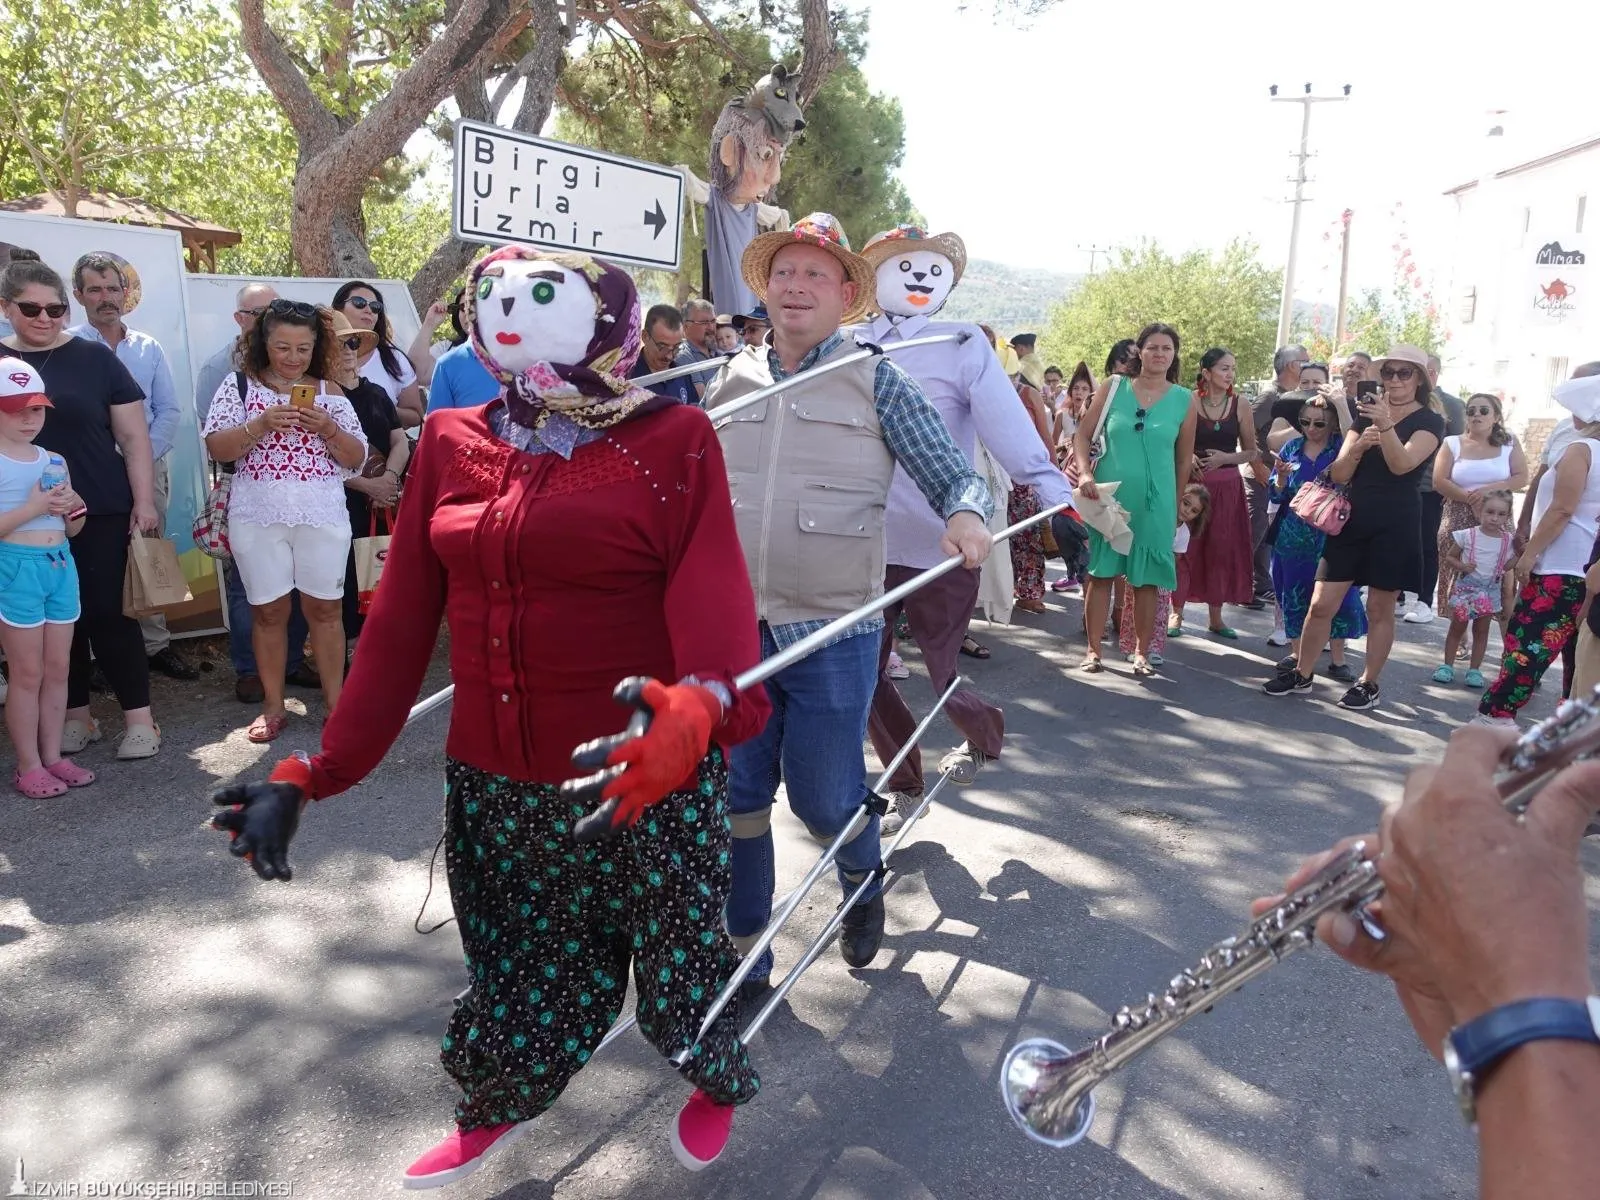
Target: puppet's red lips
(919, 301)
(508, 339)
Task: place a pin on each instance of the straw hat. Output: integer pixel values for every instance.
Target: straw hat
(342, 329)
(822, 230)
(901, 238)
(1414, 355)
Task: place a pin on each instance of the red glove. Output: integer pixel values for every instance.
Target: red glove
(650, 765)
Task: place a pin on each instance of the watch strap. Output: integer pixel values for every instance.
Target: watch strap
(1482, 1042)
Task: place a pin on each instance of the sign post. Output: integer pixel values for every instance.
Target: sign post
(512, 187)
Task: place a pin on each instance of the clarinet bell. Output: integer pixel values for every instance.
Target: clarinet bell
(1044, 1086)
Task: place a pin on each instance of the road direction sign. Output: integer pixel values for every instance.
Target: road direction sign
(514, 187)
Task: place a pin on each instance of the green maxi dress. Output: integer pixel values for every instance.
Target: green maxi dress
(1143, 461)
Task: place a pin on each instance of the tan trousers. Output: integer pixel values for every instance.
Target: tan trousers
(1587, 672)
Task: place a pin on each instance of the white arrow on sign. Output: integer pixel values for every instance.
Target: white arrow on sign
(513, 187)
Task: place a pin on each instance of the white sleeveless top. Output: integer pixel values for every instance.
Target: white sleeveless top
(1470, 473)
(1569, 553)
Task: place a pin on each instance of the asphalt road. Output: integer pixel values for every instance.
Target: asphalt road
(166, 1017)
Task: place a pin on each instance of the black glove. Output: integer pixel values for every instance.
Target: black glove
(261, 818)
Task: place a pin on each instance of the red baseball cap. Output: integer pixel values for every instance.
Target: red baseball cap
(20, 387)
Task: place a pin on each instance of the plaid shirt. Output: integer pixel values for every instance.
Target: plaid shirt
(916, 435)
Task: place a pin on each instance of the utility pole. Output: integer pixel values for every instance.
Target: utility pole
(1344, 277)
(1286, 307)
(1094, 251)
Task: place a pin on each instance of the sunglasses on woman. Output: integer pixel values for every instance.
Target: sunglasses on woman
(1139, 414)
(362, 302)
(1306, 423)
(1485, 411)
(352, 343)
(1400, 373)
(31, 310)
(293, 308)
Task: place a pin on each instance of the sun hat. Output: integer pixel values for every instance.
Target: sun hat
(727, 321)
(343, 329)
(20, 387)
(818, 229)
(1580, 397)
(1400, 352)
(902, 238)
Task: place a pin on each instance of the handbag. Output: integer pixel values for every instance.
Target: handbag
(371, 553)
(1097, 444)
(210, 528)
(1322, 504)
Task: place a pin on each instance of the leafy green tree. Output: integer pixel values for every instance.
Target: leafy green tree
(1374, 321)
(1224, 299)
(146, 99)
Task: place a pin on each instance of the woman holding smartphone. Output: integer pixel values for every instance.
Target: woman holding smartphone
(294, 440)
(1382, 461)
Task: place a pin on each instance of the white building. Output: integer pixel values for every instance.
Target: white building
(1524, 308)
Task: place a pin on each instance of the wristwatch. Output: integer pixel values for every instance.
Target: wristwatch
(1472, 1050)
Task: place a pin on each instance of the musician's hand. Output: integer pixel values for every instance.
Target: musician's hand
(1496, 908)
(966, 534)
(262, 817)
(1347, 937)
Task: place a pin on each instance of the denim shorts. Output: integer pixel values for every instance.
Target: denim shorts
(38, 585)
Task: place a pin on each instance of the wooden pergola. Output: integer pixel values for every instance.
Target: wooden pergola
(201, 240)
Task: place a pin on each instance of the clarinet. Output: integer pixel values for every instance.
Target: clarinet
(1049, 1090)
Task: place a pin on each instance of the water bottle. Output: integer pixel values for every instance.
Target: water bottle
(55, 473)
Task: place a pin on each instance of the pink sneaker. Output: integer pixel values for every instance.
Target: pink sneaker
(700, 1131)
(70, 773)
(460, 1154)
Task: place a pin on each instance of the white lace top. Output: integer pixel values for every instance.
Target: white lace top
(289, 477)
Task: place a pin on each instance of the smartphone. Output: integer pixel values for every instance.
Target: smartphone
(1367, 391)
(303, 395)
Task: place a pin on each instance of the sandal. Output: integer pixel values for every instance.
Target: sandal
(1142, 668)
(1223, 632)
(1091, 664)
(140, 741)
(1033, 606)
(1174, 631)
(972, 648)
(70, 773)
(267, 729)
(37, 784)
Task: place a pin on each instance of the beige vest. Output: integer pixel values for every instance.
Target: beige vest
(809, 472)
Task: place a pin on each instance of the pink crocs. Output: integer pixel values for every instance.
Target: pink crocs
(700, 1132)
(460, 1154)
(70, 773)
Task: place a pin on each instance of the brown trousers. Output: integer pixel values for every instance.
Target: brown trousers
(938, 614)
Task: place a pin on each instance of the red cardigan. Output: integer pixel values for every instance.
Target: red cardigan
(559, 578)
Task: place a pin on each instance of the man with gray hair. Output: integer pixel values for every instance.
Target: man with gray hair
(250, 303)
(1286, 364)
(699, 341)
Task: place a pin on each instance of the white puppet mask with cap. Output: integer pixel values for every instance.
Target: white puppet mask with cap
(916, 272)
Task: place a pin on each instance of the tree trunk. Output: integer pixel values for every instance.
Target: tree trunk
(541, 69)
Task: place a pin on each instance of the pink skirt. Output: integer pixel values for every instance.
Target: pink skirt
(1220, 570)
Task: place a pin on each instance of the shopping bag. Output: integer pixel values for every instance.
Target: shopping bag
(210, 528)
(153, 579)
(371, 552)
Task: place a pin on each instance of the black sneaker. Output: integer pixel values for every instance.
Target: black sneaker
(1287, 663)
(1343, 672)
(1287, 682)
(171, 664)
(862, 933)
(1363, 695)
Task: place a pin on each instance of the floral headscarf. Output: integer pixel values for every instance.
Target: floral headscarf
(595, 394)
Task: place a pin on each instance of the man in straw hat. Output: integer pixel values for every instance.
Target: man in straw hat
(810, 470)
(914, 275)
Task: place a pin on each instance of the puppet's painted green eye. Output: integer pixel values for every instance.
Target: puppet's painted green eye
(485, 286)
(543, 292)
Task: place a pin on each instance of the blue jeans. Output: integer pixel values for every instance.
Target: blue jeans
(813, 743)
(240, 649)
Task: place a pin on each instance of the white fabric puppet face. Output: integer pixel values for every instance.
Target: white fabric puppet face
(534, 311)
(916, 283)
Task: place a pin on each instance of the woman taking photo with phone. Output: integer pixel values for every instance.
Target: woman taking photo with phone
(1379, 546)
(1149, 443)
(294, 440)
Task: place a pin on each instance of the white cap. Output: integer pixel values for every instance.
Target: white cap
(20, 386)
